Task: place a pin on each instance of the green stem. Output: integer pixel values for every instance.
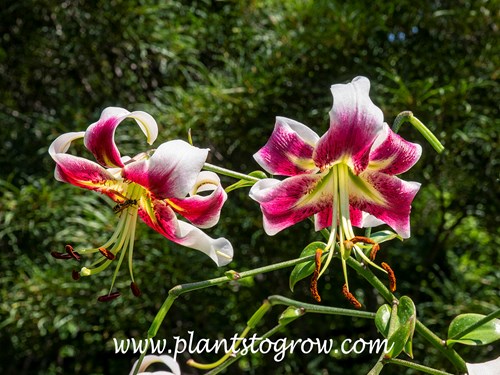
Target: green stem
(378, 367)
(432, 338)
(310, 308)
(486, 319)
(428, 135)
(228, 172)
(306, 307)
(416, 366)
(230, 361)
(176, 291)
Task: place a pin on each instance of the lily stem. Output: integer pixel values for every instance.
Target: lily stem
(416, 366)
(176, 291)
(430, 336)
(310, 308)
(230, 173)
(428, 135)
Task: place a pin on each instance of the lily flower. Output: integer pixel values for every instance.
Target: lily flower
(345, 178)
(484, 368)
(157, 186)
(152, 359)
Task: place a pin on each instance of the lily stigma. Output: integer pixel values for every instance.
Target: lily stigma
(157, 186)
(345, 178)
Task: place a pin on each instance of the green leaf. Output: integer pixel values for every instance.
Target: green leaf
(246, 183)
(302, 270)
(384, 236)
(482, 335)
(407, 316)
(382, 319)
(290, 314)
(258, 174)
(404, 326)
(397, 341)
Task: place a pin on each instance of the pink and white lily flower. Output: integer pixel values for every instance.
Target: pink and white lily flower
(346, 177)
(157, 186)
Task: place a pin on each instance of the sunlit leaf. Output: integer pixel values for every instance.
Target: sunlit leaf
(482, 335)
(302, 270)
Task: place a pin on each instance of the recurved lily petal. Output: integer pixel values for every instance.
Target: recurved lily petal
(355, 123)
(62, 143)
(202, 210)
(100, 136)
(172, 170)
(165, 222)
(81, 172)
(390, 202)
(391, 154)
(76, 170)
(284, 203)
(289, 150)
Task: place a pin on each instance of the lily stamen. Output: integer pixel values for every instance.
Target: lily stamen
(72, 253)
(108, 297)
(350, 297)
(58, 255)
(314, 280)
(106, 253)
(392, 277)
(135, 289)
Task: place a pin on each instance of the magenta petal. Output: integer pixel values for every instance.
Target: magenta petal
(323, 219)
(392, 154)
(76, 170)
(202, 210)
(290, 201)
(162, 219)
(356, 217)
(355, 123)
(165, 222)
(289, 150)
(172, 170)
(397, 196)
(81, 172)
(100, 136)
(362, 219)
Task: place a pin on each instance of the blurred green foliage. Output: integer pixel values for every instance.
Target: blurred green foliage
(225, 69)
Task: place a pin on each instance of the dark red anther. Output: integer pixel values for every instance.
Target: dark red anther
(350, 297)
(75, 275)
(72, 253)
(108, 297)
(58, 255)
(392, 276)
(106, 253)
(135, 289)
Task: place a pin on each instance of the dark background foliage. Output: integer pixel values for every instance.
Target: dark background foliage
(225, 69)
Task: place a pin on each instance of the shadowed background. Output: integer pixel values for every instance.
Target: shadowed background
(225, 69)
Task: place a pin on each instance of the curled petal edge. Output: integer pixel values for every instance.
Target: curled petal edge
(99, 137)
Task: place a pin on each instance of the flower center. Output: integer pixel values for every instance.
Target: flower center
(341, 231)
(122, 240)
